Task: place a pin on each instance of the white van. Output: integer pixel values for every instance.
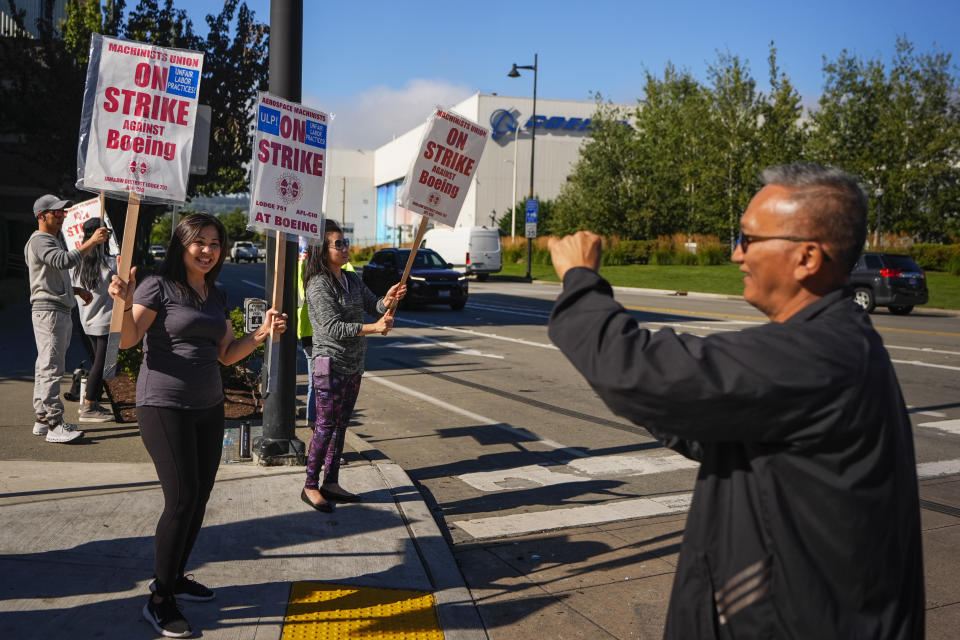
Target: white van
(471, 250)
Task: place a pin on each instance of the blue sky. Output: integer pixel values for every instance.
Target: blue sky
(380, 67)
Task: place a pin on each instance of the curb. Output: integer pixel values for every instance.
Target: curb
(456, 609)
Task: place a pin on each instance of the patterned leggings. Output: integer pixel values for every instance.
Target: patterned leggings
(335, 397)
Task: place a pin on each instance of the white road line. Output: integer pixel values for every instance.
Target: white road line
(923, 349)
(523, 523)
(532, 314)
(480, 334)
(581, 470)
(523, 435)
(926, 364)
(920, 412)
(938, 468)
(950, 426)
(254, 284)
(426, 343)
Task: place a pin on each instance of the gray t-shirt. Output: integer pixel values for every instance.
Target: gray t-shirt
(180, 367)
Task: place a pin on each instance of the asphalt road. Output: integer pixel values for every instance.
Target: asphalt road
(505, 438)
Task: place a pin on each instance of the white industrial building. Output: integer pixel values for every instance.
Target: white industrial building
(362, 187)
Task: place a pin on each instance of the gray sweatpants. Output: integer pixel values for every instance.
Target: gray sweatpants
(52, 330)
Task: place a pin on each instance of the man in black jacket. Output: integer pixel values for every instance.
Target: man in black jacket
(805, 521)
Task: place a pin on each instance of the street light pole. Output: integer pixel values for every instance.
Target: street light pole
(513, 191)
(533, 141)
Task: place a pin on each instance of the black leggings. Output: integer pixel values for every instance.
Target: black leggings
(185, 445)
(98, 346)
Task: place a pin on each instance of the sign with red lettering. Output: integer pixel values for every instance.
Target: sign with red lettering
(136, 129)
(443, 169)
(289, 165)
(79, 213)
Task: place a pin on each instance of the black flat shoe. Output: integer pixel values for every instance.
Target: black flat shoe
(326, 507)
(339, 497)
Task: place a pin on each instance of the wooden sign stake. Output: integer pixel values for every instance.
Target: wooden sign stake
(123, 271)
(413, 254)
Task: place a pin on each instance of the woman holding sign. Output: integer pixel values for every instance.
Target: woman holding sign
(336, 300)
(183, 315)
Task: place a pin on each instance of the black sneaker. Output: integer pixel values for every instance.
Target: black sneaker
(188, 589)
(166, 618)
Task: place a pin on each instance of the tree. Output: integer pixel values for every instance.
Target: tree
(233, 71)
(782, 135)
(597, 194)
(735, 118)
(899, 132)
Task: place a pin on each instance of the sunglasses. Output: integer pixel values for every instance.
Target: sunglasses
(342, 244)
(745, 239)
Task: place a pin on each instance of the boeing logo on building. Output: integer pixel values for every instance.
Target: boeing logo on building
(503, 122)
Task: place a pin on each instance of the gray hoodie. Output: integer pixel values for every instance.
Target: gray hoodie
(49, 264)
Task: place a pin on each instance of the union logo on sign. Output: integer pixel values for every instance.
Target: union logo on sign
(139, 167)
(433, 199)
(289, 188)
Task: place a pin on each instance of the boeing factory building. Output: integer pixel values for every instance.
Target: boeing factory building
(363, 187)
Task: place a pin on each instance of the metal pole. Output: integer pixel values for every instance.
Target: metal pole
(279, 444)
(533, 148)
(513, 192)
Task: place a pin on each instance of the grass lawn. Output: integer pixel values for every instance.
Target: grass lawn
(727, 279)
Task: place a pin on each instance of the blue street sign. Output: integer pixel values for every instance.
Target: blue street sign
(533, 208)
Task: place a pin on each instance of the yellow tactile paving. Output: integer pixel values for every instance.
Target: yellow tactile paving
(318, 611)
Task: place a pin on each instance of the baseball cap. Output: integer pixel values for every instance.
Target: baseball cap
(49, 203)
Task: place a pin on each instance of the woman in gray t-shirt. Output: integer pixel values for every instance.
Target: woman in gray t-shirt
(183, 315)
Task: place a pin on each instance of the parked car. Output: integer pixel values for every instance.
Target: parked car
(261, 252)
(431, 281)
(472, 250)
(243, 250)
(158, 251)
(888, 280)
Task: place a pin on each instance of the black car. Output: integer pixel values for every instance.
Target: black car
(431, 280)
(888, 280)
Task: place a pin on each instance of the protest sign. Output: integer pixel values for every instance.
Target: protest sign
(78, 214)
(441, 173)
(136, 128)
(289, 165)
(443, 168)
(286, 190)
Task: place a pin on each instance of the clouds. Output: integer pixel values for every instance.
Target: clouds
(374, 116)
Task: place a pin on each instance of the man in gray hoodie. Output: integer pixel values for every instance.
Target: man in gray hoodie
(51, 300)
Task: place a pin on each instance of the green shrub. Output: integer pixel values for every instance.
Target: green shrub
(934, 257)
(662, 257)
(361, 255)
(685, 258)
(713, 255)
(953, 265)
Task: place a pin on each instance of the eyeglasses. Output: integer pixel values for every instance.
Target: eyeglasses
(341, 244)
(745, 239)
(59, 213)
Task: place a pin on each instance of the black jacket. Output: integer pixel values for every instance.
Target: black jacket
(805, 521)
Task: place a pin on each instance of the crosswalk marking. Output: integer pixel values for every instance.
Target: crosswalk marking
(582, 470)
(938, 468)
(523, 523)
(950, 426)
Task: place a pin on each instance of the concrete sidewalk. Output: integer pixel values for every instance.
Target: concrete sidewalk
(76, 549)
